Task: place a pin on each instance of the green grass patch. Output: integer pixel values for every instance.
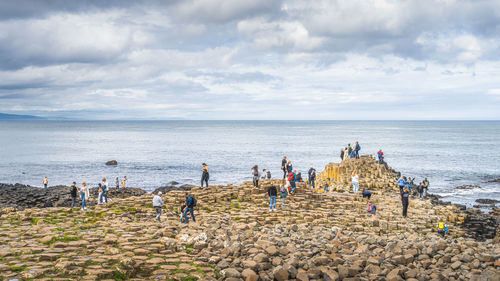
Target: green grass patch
(118, 211)
(17, 268)
(118, 275)
(34, 221)
(61, 239)
(189, 278)
(176, 271)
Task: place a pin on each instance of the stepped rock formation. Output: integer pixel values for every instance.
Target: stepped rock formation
(372, 176)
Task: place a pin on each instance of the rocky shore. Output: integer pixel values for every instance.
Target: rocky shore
(315, 236)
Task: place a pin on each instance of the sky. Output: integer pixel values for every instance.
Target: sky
(251, 60)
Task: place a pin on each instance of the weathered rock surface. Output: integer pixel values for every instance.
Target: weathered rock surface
(112, 163)
(467, 186)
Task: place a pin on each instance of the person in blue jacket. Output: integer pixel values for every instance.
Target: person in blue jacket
(401, 184)
(190, 204)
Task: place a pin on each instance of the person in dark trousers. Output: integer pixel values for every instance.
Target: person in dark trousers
(256, 176)
(292, 177)
(283, 166)
(205, 175)
(342, 152)
(357, 148)
(73, 194)
(273, 193)
(268, 174)
(380, 155)
(405, 199)
(367, 194)
(425, 184)
(312, 177)
(190, 204)
(420, 190)
(117, 183)
(157, 204)
(289, 167)
(45, 182)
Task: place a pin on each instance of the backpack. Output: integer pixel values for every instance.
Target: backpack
(283, 189)
(194, 202)
(372, 209)
(255, 173)
(290, 177)
(359, 147)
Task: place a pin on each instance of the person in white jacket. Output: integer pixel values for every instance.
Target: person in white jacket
(84, 191)
(157, 203)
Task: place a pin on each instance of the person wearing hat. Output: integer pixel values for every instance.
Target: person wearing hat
(157, 204)
(73, 194)
(205, 175)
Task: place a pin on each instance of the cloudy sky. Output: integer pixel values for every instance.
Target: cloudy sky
(258, 59)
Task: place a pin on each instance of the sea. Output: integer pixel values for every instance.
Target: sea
(154, 153)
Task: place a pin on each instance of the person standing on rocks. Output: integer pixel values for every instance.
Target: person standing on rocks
(349, 150)
(105, 191)
(312, 177)
(283, 166)
(292, 177)
(117, 182)
(190, 204)
(273, 193)
(289, 167)
(73, 194)
(426, 186)
(405, 199)
(380, 155)
(342, 152)
(256, 176)
(283, 192)
(355, 182)
(401, 184)
(157, 204)
(357, 148)
(84, 190)
(45, 182)
(268, 174)
(205, 175)
(124, 182)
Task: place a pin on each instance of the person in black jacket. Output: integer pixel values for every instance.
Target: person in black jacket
(272, 198)
(283, 166)
(73, 194)
(405, 199)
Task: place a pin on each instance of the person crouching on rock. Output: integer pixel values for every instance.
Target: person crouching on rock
(405, 199)
(283, 192)
(84, 190)
(190, 204)
(157, 203)
(367, 194)
(73, 194)
(272, 197)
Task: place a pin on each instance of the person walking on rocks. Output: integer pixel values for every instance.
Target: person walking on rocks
(312, 177)
(289, 167)
(256, 176)
(157, 204)
(190, 204)
(355, 182)
(283, 166)
(117, 183)
(105, 191)
(205, 175)
(45, 182)
(84, 190)
(273, 193)
(405, 199)
(73, 194)
(283, 192)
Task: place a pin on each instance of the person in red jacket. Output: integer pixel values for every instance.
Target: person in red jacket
(292, 177)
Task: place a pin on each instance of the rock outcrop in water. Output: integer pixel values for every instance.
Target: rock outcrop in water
(24, 196)
(112, 163)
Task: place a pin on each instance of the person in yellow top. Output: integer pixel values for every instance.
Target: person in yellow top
(124, 182)
(45, 182)
(205, 175)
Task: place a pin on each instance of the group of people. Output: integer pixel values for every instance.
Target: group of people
(186, 208)
(84, 192)
(350, 151)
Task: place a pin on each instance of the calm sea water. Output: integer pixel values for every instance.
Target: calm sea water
(153, 153)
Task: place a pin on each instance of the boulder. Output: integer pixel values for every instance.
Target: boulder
(112, 163)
